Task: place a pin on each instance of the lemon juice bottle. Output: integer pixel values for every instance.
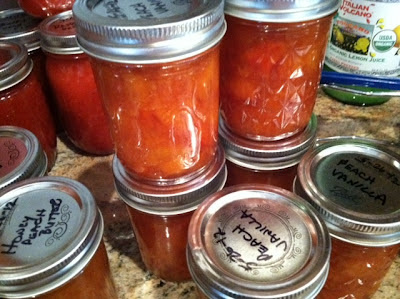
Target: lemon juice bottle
(365, 38)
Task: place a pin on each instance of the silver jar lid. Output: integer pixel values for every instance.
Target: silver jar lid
(355, 184)
(148, 32)
(17, 67)
(18, 26)
(58, 34)
(267, 155)
(258, 241)
(171, 198)
(21, 156)
(281, 11)
(51, 228)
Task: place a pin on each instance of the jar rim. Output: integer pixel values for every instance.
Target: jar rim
(173, 197)
(267, 155)
(278, 11)
(171, 31)
(34, 163)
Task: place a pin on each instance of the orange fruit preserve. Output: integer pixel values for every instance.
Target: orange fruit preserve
(165, 115)
(270, 74)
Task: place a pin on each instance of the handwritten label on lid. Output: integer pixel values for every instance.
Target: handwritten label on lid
(35, 226)
(266, 242)
(142, 9)
(360, 183)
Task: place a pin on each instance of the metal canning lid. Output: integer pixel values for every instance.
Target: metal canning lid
(58, 34)
(355, 184)
(15, 65)
(170, 199)
(267, 155)
(21, 155)
(148, 32)
(50, 229)
(280, 11)
(258, 241)
(18, 26)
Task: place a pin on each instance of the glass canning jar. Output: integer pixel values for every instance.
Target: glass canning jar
(19, 27)
(22, 101)
(21, 156)
(265, 162)
(271, 63)
(45, 8)
(355, 184)
(71, 79)
(157, 69)
(160, 215)
(52, 245)
(257, 241)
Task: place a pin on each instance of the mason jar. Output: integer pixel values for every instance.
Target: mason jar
(271, 62)
(156, 66)
(52, 242)
(354, 183)
(160, 215)
(257, 241)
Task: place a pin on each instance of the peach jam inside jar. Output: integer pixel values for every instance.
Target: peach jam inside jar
(355, 184)
(51, 242)
(271, 62)
(160, 215)
(265, 162)
(157, 69)
(21, 156)
(71, 79)
(257, 241)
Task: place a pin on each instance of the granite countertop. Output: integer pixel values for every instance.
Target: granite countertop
(131, 279)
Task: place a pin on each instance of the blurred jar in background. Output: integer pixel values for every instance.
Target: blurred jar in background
(157, 69)
(70, 75)
(45, 8)
(265, 162)
(22, 101)
(18, 26)
(354, 183)
(271, 63)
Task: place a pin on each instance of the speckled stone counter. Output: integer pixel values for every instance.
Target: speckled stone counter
(131, 279)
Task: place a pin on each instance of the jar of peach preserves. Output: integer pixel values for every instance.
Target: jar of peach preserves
(257, 241)
(52, 242)
(265, 162)
(22, 100)
(157, 69)
(71, 79)
(160, 215)
(355, 184)
(271, 64)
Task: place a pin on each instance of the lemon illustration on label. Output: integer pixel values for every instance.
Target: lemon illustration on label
(372, 54)
(338, 35)
(362, 44)
(397, 31)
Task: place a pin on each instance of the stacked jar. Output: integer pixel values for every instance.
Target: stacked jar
(271, 63)
(18, 26)
(22, 100)
(157, 69)
(71, 79)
